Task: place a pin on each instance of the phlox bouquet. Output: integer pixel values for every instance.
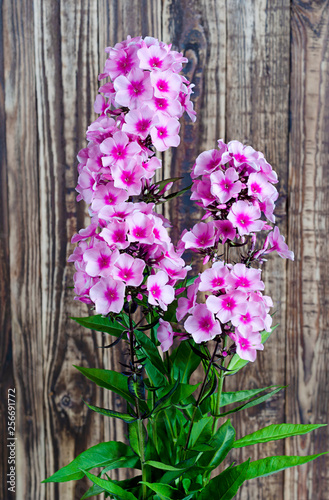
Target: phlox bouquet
(170, 321)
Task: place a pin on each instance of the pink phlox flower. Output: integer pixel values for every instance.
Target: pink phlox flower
(87, 185)
(160, 233)
(121, 62)
(202, 325)
(201, 236)
(164, 134)
(100, 129)
(129, 177)
(186, 305)
(129, 270)
(254, 317)
(248, 344)
(225, 229)
(174, 271)
(100, 259)
(215, 278)
(159, 292)
(239, 155)
(134, 89)
(108, 195)
(201, 190)
(141, 228)
(207, 162)
(85, 233)
(82, 285)
(185, 101)
(267, 207)
(139, 121)
(119, 211)
(225, 185)
(151, 166)
(267, 171)
(228, 305)
(165, 335)
(244, 217)
(154, 58)
(101, 105)
(246, 279)
(118, 149)
(276, 242)
(77, 255)
(108, 295)
(259, 187)
(108, 90)
(115, 234)
(166, 84)
(165, 107)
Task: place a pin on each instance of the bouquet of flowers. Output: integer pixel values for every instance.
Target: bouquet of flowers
(171, 322)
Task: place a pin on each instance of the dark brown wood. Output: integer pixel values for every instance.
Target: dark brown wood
(307, 302)
(259, 68)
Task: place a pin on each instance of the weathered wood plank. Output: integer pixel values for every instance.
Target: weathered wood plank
(257, 114)
(307, 310)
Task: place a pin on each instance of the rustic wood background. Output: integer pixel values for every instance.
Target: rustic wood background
(261, 70)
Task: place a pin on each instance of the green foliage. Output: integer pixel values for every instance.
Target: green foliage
(111, 487)
(270, 465)
(101, 324)
(226, 485)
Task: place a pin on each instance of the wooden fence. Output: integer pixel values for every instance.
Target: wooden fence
(261, 70)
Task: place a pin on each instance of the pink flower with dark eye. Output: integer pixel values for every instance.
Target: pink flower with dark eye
(129, 177)
(139, 121)
(276, 242)
(225, 229)
(115, 233)
(245, 279)
(120, 62)
(228, 305)
(165, 335)
(254, 317)
(118, 149)
(164, 134)
(202, 325)
(244, 217)
(100, 259)
(240, 154)
(140, 228)
(201, 236)
(160, 294)
(108, 195)
(207, 162)
(166, 84)
(247, 344)
(166, 107)
(225, 185)
(215, 278)
(201, 190)
(108, 295)
(154, 58)
(186, 305)
(259, 187)
(134, 89)
(129, 270)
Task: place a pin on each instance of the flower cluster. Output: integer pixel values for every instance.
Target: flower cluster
(127, 241)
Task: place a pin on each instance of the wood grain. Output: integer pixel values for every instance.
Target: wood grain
(307, 303)
(259, 69)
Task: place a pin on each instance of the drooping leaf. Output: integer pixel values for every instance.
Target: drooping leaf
(226, 485)
(237, 363)
(100, 455)
(164, 491)
(161, 466)
(101, 324)
(222, 442)
(274, 432)
(253, 402)
(154, 365)
(111, 487)
(271, 465)
(94, 490)
(228, 398)
(111, 413)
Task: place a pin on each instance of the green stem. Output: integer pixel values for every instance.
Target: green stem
(142, 453)
(198, 401)
(220, 390)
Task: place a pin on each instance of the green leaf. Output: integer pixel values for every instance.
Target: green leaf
(226, 485)
(237, 363)
(94, 490)
(185, 362)
(100, 455)
(108, 379)
(183, 392)
(161, 466)
(177, 193)
(253, 402)
(222, 442)
(164, 491)
(228, 398)
(271, 465)
(111, 413)
(209, 388)
(164, 182)
(101, 324)
(154, 365)
(136, 386)
(274, 432)
(168, 392)
(203, 430)
(111, 487)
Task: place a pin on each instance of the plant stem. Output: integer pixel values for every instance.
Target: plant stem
(220, 390)
(199, 399)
